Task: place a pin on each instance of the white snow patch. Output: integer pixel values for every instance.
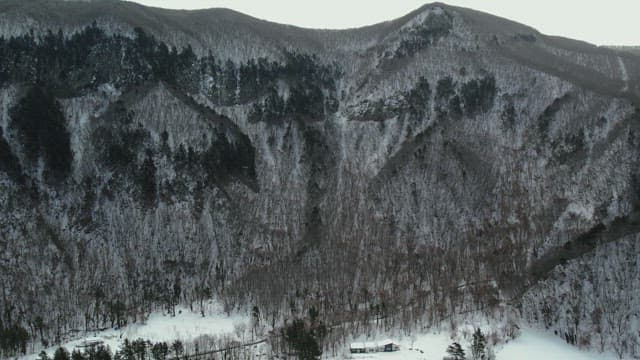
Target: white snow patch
(625, 74)
(574, 212)
(535, 345)
(7, 96)
(419, 19)
(581, 210)
(110, 90)
(185, 326)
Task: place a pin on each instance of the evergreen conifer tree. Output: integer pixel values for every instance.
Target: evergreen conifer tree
(479, 345)
(61, 354)
(456, 351)
(43, 355)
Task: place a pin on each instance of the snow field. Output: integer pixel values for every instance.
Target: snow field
(536, 345)
(185, 326)
(532, 344)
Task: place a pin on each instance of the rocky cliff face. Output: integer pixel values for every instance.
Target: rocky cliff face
(444, 162)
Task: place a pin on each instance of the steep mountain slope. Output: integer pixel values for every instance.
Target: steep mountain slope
(151, 157)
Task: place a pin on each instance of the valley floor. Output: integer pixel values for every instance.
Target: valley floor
(532, 344)
(185, 326)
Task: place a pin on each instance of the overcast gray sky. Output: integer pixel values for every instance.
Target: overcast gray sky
(611, 22)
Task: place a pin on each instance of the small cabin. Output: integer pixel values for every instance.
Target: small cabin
(361, 348)
(357, 348)
(387, 345)
(90, 342)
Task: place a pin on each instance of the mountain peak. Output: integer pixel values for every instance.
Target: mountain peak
(380, 178)
(212, 30)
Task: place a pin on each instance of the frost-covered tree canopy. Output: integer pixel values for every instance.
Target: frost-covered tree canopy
(448, 162)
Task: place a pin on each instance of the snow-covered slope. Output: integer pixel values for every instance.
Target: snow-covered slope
(482, 165)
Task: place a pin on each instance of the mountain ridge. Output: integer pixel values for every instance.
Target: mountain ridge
(194, 27)
(486, 167)
(485, 21)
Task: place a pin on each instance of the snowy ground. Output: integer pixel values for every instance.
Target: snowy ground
(427, 346)
(535, 345)
(186, 325)
(531, 345)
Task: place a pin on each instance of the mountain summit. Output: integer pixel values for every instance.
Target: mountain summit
(394, 176)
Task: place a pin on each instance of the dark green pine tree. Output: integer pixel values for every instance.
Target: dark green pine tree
(13, 339)
(43, 355)
(61, 354)
(159, 351)
(127, 351)
(98, 353)
(140, 348)
(177, 348)
(230, 77)
(456, 352)
(301, 340)
(41, 129)
(147, 180)
(77, 355)
(9, 163)
(479, 345)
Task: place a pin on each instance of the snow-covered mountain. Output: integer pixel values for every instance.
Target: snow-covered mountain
(442, 163)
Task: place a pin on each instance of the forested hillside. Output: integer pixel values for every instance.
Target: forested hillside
(325, 182)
